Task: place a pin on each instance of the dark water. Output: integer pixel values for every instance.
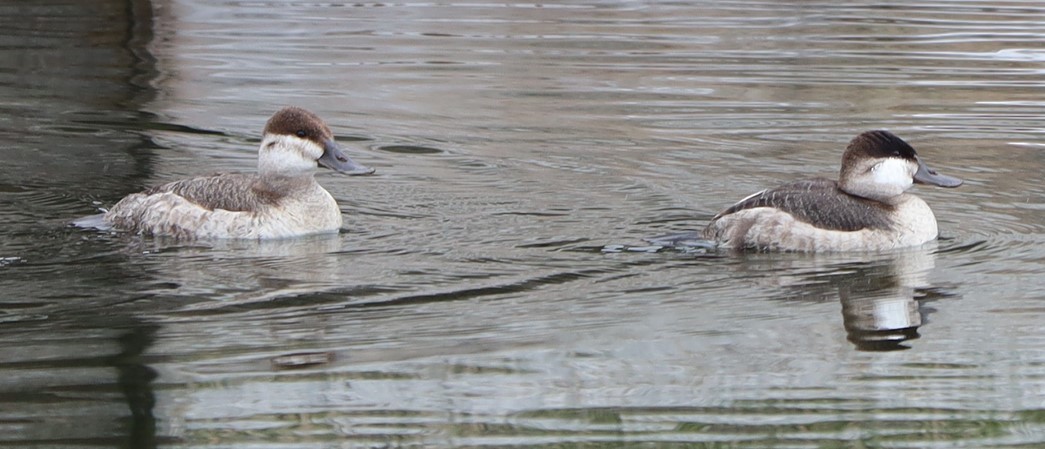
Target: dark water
(470, 301)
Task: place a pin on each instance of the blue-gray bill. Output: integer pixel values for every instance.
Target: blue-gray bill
(334, 158)
(926, 175)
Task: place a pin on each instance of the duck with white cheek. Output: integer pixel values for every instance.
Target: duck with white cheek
(281, 200)
(867, 209)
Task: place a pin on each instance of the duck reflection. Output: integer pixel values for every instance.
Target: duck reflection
(884, 296)
(880, 302)
(227, 275)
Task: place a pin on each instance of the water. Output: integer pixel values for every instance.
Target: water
(471, 301)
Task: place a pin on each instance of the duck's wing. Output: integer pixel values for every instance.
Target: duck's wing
(234, 192)
(820, 203)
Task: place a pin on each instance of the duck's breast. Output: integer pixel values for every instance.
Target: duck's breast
(913, 221)
(312, 211)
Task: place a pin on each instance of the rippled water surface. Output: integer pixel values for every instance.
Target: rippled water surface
(490, 288)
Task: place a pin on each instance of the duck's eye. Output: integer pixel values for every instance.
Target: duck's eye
(302, 133)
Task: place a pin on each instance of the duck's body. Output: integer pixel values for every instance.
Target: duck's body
(230, 205)
(868, 209)
(282, 200)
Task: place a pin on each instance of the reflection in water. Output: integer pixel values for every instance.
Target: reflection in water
(86, 383)
(74, 77)
(236, 274)
(878, 301)
(135, 379)
(881, 293)
(878, 321)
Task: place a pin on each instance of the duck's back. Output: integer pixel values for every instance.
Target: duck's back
(229, 191)
(808, 215)
(228, 205)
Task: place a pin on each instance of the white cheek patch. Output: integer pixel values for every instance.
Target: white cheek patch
(288, 154)
(893, 172)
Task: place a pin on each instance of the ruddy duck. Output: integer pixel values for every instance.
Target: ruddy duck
(282, 200)
(867, 209)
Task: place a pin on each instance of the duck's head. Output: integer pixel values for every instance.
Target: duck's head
(296, 140)
(880, 166)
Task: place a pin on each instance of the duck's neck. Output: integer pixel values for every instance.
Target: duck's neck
(285, 182)
(278, 189)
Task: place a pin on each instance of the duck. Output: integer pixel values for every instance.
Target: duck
(281, 200)
(867, 209)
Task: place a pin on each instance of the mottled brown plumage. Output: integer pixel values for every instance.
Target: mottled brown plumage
(224, 191)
